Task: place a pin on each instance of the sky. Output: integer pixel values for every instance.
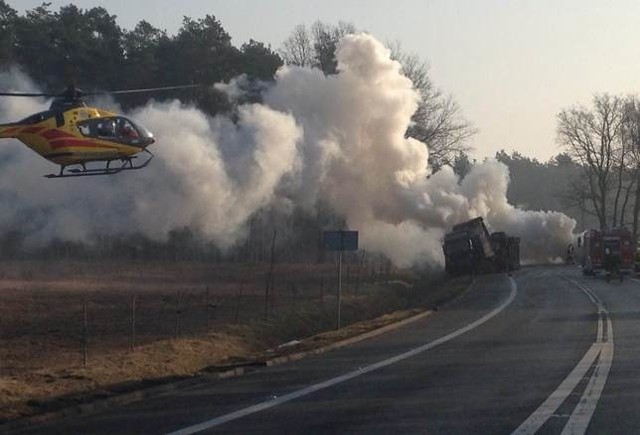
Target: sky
(511, 65)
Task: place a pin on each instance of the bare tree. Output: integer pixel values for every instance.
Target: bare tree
(325, 41)
(592, 138)
(575, 196)
(298, 49)
(315, 47)
(438, 121)
(625, 180)
(631, 136)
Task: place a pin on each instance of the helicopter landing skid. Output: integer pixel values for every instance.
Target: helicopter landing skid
(127, 165)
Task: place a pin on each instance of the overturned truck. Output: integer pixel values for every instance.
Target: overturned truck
(470, 249)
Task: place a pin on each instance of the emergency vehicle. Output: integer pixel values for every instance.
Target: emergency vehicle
(590, 247)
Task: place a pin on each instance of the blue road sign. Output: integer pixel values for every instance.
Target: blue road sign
(340, 240)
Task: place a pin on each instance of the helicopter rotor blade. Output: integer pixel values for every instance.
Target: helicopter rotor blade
(74, 93)
(26, 94)
(138, 91)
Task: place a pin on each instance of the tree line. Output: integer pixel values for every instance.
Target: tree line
(89, 48)
(595, 176)
(537, 185)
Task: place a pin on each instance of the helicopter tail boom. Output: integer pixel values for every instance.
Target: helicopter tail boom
(9, 131)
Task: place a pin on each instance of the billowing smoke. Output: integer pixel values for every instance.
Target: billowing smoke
(337, 139)
(209, 174)
(356, 156)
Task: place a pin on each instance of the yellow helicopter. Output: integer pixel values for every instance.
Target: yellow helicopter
(73, 134)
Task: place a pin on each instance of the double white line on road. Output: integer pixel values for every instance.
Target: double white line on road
(337, 380)
(602, 350)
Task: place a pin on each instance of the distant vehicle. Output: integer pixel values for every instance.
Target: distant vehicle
(591, 245)
(469, 249)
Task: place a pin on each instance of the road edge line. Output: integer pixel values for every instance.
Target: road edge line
(546, 409)
(261, 406)
(581, 416)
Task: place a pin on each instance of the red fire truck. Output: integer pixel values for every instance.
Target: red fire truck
(590, 247)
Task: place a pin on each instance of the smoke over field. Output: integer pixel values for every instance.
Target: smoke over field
(336, 139)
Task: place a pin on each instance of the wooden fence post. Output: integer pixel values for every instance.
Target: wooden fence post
(85, 334)
(178, 315)
(208, 307)
(238, 300)
(268, 291)
(132, 324)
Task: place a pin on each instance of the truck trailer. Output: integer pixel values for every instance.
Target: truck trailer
(469, 249)
(507, 252)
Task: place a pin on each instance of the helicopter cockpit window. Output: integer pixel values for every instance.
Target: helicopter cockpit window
(106, 128)
(84, 129)
(126, 131)
(117, 129)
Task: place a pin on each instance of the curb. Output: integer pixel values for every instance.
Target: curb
(338, 344)
(152, 392)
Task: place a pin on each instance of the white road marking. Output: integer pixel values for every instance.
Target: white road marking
(581, 415)
(553, 402)
(337, 380)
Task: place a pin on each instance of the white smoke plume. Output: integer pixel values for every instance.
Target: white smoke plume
(357, 158)
(339, 139)
(190, 183)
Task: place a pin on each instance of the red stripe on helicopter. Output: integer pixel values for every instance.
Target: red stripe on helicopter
(32, 130)
(56, 134)
(10, 130)
(79, 143)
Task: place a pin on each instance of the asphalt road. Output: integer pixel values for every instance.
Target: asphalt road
(547, 351)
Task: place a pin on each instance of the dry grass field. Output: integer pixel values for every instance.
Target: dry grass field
(187, 316)
(191, 310)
